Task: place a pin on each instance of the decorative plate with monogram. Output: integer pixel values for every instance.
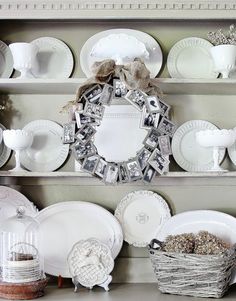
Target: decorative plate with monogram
(141, 215)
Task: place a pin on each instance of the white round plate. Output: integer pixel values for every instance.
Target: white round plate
(64, 224)
(6, 61)
(10, 199)
(141, 215)
(47, 152)
(153, 64)
(54, 59)
(5, 152)
(191, 58)
(187, 152)
(232, 151)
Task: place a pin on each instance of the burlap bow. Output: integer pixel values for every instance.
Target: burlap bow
(135, 75)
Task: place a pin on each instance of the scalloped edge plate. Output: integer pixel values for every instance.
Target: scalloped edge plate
(142, 214)
(5, 152)
(198, 153)
(191, 58)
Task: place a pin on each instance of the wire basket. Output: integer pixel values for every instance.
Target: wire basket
(192, 274)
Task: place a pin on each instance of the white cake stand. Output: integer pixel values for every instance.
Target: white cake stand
(217, 139)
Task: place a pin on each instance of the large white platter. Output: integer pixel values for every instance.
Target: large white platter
(54, 59)
(64, 224)
(191, 58)
(187, 152)
(6, 61)
(154, 62)
(5, 152)
(119, 136)
(141, 215)
(47, 152)
(218, 223)
(10, 199)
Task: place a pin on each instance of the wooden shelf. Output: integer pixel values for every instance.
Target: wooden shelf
(167, 85)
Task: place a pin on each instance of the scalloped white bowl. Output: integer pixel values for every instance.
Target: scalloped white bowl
(216, 138)
(17, 139)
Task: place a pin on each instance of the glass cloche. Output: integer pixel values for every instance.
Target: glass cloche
(21, 261)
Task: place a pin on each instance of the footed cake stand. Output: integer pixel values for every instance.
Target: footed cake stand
(217, 139)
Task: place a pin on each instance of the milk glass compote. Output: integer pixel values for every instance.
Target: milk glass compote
(17, 140)
(216, 139)
(24, 57)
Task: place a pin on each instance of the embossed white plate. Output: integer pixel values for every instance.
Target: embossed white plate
(47, 152)
(5, 152)
(191, 58)
(54, 59)
(232, 151)
(153, 63)
(141, 215)
(64, 224)
(10, 199)
(187, 152)
(6, 61)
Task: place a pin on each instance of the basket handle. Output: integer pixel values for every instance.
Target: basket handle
(155, 244)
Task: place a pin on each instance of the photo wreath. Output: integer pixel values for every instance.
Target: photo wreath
(87, 113)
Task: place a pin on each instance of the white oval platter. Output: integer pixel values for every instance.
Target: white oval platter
(141, 215)
(10, 199)
(153, 63)
(191, 58)
(6, 61)
(187, 152)
(64, 224)
(54, 59)
(5, 152)
(47, 152)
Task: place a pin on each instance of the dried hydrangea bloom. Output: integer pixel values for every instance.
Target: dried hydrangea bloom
(182, 243)
(209, 244)
(220, 38)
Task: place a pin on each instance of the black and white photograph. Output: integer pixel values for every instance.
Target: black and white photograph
(137, 98)
(85, 133)
(143, 156)
(152, 104)
(68, 132)
(164, 145)
(167, 127)
(82, 150)
(101, 167)
(151, 140)
(111, 174)
(165, 108)
(134, 170)
(90, 163)
(149, 174)
(158, 162)
(93, 94)
(120, 89)
(86, 119)
(107, 95)
(123, 173)
(149, 120)
(93, 110)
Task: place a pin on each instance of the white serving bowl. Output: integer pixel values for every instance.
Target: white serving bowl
(17, 139)
(216, 138)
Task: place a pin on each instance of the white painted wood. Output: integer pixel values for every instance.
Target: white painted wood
(168, 86)
(117, 9)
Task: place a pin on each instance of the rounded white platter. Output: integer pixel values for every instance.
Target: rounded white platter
(5, 152)
(218, 223)
(10, 199)
(6, 61)
(191, 58)
(47, 152)
(153, 64)
(54, 59)
(141, 215)
(187, 152)
(232, 151)
(64, 224)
